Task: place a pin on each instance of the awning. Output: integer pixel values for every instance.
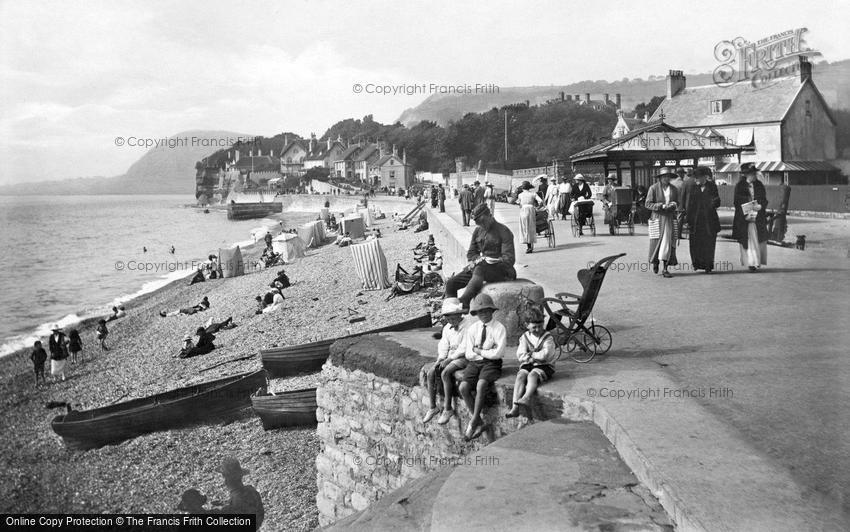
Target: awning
(783, 166)
(745, 136)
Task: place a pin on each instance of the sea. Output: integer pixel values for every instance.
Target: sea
(67, 258)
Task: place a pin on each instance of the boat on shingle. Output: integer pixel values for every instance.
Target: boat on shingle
(294, 408)
(216, 400)
(294, 359)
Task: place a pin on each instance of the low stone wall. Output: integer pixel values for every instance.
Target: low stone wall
(315, 202)
(370, 407)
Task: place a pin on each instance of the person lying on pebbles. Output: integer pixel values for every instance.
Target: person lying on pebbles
(200, 307)
(213, 327)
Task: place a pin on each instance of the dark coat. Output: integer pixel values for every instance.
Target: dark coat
(478, 196)
(700, 206)
(58, 350)
(466, 200)
(739, 224)
(580, 192)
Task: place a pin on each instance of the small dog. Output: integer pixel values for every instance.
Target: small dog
(801, 242)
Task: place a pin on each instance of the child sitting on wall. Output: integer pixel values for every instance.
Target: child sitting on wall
(450, 358)
(484, 343)
(536, 354)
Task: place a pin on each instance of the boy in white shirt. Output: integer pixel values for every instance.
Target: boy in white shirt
(484, 347)
(450, 358)
(537, 355)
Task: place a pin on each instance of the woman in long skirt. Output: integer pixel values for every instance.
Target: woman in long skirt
(527, 215)
(700, 199)
(749, 227)
(490, 196)
(662, 200)
(552, 198)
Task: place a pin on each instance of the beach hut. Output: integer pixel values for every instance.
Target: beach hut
(289, 246)
(312, 233)
(230, 261)
(354, 226)
(371, 265)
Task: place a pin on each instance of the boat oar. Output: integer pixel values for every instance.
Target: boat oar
(227, 362)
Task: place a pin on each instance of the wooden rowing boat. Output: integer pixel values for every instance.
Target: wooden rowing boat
(295, 408)
(294, 359)
(209, 401)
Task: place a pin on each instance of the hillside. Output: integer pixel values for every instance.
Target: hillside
(161, 170)
(833, 80)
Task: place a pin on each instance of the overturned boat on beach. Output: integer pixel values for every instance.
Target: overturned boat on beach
(209, 401)
(294, 359)
(295, 408)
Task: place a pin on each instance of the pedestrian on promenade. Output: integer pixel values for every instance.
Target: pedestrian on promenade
(484, 347)
(268, 239)
(75, 345)
(564, 190)
(749, 227)
(435, 197)
(478, 194)
(450, 358)
(527, 201)
(57, 345)
(490, 196)
(442, 197)
(701, 200)
(662, 200)
(38, 357)
(491, 257)
(536, 355)
(467, 203)
(551, 199)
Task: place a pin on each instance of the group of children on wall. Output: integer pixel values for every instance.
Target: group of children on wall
(477, 348)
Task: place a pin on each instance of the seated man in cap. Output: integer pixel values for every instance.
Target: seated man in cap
(491, 257)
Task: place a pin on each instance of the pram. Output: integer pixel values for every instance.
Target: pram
(621, 211)
(582, 210)
(583, 342)
(544, 227)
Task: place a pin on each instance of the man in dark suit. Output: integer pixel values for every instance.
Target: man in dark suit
(478, 194)
(467, 202)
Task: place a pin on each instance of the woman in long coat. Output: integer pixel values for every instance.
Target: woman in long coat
(701, 199)
(662, 200)
(750, 230)
(527, 215)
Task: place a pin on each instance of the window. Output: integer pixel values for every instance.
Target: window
(808, 108)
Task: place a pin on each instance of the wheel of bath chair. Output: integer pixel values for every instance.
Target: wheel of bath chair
(583, 347)
(631, 223)
(602, 338)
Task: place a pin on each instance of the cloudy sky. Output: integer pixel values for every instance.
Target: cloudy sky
(75, 75)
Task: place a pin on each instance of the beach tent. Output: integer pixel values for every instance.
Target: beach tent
(312, 233)
(289, 246)
(353, 226)
(325, 213)
(371, 265)
(230, 261)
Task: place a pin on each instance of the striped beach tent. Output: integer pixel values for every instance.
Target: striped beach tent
(371, 265)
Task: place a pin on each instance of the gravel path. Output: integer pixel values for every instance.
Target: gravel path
(148, 474)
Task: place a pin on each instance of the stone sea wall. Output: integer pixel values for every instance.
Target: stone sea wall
(315, 202)
(373, 439)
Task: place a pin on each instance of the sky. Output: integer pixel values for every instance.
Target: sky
(76, 75)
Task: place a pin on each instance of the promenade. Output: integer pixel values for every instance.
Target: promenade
(726, 394)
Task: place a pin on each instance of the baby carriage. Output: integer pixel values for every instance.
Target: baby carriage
(621, 211)
(569, 326)
(544, 227)
(582, 215)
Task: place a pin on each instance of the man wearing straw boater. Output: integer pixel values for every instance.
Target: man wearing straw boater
(491, 257)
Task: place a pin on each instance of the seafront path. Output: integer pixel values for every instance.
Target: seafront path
(727, 394)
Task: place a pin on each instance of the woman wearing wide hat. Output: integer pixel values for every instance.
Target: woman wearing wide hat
(701, 199)
(527, 200)
(58, 352)
(662, 200)
(749, 226)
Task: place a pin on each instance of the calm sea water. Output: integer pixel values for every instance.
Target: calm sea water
(70, 257)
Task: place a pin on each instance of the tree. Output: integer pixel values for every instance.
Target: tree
(650, 107)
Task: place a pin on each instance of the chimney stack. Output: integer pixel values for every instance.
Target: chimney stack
(675, 83)
(805, 69)
(285, 140)
(562, 95)
(587, 97)
(607, 98)
(618, 100)
(329, 143)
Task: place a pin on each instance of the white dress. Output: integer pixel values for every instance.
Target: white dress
(527, 222)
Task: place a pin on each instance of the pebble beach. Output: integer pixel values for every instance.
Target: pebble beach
(149, 473)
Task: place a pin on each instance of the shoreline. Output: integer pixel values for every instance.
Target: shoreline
(41, 475)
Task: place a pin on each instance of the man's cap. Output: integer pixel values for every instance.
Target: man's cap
(451, 306)
(749, 168)
(230, 467)
(480, 211)
(666, 170)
